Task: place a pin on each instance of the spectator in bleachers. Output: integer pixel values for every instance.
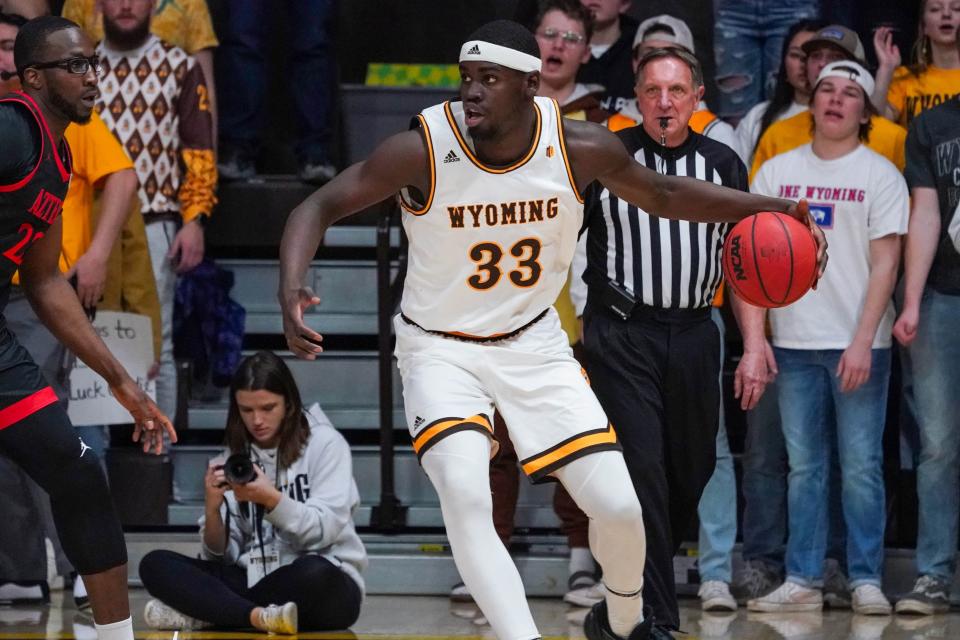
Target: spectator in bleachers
(927, 324)
(833, 345)
(748, 35)
(186, 24)
(669, 31)
(312, 83)
(183, 23)
(903, 92)
(764, 461)
(791, 94)
(832, 43)
(563, 29)
(154, 100)
(610, 51)
(99, 165)
(25, 8)
(280, 551)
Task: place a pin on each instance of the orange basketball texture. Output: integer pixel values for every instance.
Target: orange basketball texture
(770, 259)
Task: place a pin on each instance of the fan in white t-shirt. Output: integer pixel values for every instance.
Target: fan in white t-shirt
(857, 197)
(833, 345)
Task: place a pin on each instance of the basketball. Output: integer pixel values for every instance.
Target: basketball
(770, 259)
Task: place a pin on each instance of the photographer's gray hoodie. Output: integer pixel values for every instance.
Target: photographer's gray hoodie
(315, 514)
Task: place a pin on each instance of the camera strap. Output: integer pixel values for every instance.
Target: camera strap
(269, 559)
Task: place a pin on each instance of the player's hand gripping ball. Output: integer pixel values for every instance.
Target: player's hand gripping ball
(770, 259)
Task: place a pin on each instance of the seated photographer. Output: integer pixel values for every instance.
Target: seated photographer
(280, 550)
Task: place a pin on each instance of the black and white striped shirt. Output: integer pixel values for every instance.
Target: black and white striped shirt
(663, 263)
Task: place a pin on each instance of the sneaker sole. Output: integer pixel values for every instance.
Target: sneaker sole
(917, 608)
(873, 610)
(784, 608)
(719, 606)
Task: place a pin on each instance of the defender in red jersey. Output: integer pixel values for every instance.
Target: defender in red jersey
(58, 72)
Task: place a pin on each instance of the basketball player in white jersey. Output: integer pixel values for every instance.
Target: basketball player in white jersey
(490, 186)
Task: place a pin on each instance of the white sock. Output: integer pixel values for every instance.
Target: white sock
(122, 630)
(624, 614)
(581, 560)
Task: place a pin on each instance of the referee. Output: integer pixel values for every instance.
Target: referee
(653, 350)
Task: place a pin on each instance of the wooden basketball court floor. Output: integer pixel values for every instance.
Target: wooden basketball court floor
(436, 618)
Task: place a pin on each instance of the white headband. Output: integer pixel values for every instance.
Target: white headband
(504, 56)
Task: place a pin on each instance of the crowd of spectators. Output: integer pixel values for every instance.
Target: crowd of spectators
(814, 378)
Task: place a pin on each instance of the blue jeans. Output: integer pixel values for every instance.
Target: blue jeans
(718, 504)
(747, 42)
(935, 356)
(765, 470)
(765, 483)
(242, 69)
(808, 388)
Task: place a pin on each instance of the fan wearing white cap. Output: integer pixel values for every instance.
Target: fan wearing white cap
(833, 43)
(833, 346)
(665, 31)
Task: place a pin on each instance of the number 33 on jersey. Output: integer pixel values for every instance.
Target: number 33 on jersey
(490, 247)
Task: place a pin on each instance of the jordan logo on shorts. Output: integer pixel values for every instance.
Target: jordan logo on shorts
(83, 447)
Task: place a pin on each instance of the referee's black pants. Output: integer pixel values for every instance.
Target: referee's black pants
(656, 375)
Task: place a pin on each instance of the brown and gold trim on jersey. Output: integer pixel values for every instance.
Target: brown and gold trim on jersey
(476, 161)
(538, 466)
(433, 173)
(440, 429)
(563, 151)
(469, 337)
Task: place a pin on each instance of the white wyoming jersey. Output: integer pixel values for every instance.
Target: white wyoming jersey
(490, 248)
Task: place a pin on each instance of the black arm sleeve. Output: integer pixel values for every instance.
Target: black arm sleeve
(20, 141)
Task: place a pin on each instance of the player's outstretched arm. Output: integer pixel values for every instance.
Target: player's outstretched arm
(57, 306)
(597, 154)
(400, 161)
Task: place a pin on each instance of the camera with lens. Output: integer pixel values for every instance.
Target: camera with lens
(238, 469)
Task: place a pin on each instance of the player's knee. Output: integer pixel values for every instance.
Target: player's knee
(79, 478)
(460, 488)
(620, 510)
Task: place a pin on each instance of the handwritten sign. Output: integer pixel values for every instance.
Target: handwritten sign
(130, 339)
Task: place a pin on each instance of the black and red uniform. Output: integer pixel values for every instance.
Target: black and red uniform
(35, 431)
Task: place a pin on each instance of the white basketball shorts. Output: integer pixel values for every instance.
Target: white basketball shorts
(532, 379)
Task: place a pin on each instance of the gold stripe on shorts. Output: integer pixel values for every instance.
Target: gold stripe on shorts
(440, 429)
(541, 464)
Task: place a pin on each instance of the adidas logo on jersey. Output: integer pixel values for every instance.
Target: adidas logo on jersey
(417, 422)
(474, 50)
(451, 157)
